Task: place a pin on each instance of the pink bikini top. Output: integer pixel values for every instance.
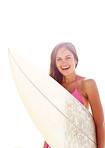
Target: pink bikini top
(47, 146)
(76, 93)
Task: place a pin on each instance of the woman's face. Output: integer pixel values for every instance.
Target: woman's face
(65, 61)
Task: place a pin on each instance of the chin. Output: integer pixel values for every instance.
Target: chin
(67, 74)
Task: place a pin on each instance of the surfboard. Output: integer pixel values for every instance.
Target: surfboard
(61, 119)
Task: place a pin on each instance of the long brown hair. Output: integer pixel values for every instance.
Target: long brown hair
(54, 73)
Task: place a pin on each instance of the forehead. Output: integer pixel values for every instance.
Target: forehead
(63, 52)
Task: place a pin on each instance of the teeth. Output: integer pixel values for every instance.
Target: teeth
(65, 67)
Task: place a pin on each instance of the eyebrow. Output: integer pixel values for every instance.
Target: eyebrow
(65, 56)
(68, 56)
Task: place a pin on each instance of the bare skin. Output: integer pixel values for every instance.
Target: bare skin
(87, 88)
(81, 89)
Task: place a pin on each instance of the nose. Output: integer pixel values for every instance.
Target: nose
(63, 61)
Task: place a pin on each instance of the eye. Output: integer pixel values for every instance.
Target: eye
(58, 59)
(67, 58)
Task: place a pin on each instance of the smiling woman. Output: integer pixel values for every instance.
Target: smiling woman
(56, 59)
(64, 60)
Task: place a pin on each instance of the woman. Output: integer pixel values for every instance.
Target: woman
(64, 60)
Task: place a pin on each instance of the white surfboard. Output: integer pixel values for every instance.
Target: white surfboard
(61, 119)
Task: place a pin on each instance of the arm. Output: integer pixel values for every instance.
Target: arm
(97, 111)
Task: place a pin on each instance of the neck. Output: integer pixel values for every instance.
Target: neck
(70, 78)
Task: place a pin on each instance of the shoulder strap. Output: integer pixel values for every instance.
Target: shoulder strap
(76, 81)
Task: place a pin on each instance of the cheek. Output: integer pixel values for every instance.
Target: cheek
(75, 62)
(57, 64)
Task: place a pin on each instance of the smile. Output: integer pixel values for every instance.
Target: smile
(65, 67)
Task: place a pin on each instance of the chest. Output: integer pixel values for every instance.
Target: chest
(80, 88)
(71, 87)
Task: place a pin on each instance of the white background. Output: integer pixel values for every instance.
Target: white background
(33, 28)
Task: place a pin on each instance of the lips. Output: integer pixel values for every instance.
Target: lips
(65, 67)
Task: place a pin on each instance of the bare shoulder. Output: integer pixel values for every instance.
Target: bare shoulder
(87, 83)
